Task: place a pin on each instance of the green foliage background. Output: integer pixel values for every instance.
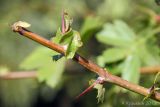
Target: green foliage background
(120, 35)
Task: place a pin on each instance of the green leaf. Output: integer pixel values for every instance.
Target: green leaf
(71, 39)
(39, 57)
(48, 70)
(148, 56)
(116, 34)
(74, 44)
(148, 49)
(68, 38)
(52, 72)
(130, 71)
(62, 39)
(112, 55)
(90, 26)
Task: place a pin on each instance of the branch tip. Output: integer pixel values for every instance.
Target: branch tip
(15, 26)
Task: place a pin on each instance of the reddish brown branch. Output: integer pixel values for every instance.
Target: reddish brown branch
(89, 65)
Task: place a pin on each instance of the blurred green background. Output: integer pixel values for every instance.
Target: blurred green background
(121, 35)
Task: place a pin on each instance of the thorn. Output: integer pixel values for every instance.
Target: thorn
(100, 80)
(86, 90)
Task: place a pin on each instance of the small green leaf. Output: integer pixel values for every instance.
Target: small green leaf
(61, 38)
(52, 72)
(101, 92)
(48, 70)
(37, 58)
(74, 44)
(130, 71)
(112, 55)
(67, 37)
(70, 39)
(117, 34)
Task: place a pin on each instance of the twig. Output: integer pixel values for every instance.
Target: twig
(19, 75)
(150, 70)
(33, 74)
(89, 65)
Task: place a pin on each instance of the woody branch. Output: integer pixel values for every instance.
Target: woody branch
(89, 65)
(33, 74)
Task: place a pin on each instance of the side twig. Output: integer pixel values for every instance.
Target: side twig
(150, 70)
(89, 65)
(33, 74)
(18, 75)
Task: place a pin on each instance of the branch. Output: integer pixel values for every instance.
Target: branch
(18, 75)
(33, 74)
(150, 70)
(89, 65)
